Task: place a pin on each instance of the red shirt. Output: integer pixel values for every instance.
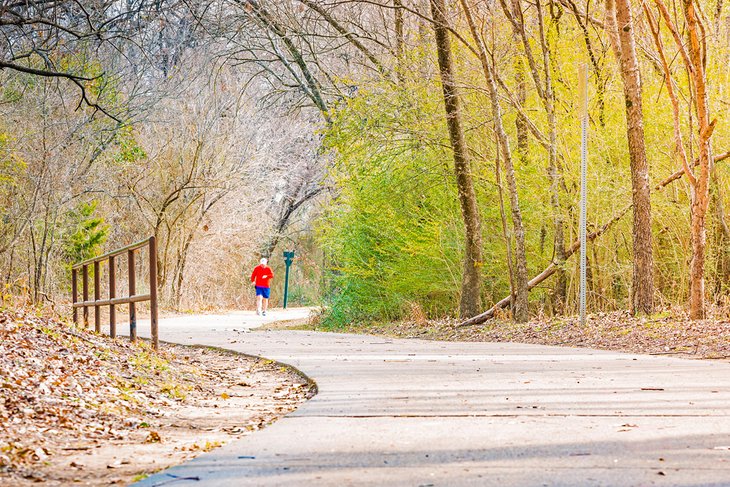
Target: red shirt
(261, 275)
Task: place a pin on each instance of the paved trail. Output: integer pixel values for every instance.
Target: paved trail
(419, 413)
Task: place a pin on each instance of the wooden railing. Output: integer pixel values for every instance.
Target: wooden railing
(113, 300)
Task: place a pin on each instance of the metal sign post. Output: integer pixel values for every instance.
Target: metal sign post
(583, 101)
(288, 259)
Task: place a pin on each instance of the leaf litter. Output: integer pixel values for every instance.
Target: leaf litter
(80, 408)
(667, 333)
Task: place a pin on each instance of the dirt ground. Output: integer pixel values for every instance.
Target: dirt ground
(81, 409)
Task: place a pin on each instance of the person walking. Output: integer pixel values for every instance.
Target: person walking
(260, 278)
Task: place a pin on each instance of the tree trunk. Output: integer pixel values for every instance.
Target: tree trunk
(596, 281)
(546, 273)
(523, 145)
(554, 171)
(521, 308)
(545, 92)
(620, 24)
(399, 36)
(721, 240)
(693, 56)
(698, 240)
(180, 262)
(722, 231)
(503, 218)
(11, 261)
(701, 190)
(523, 152)
(424, 34)
(471, 279)
(575, 246)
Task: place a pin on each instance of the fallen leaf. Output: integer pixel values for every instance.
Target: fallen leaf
(153, 437)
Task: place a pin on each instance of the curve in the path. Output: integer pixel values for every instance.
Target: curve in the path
(419, 413)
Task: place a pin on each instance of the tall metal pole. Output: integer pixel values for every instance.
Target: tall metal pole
(288, 259)
(583, 101)
(286, 285)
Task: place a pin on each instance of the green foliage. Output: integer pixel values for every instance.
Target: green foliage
(11, 95)
(300, 296)
(11, 170)
(128, 149)
(86, 235)
(394, 235)
(10, 165)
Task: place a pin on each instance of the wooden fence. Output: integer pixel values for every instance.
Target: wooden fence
(113, 300)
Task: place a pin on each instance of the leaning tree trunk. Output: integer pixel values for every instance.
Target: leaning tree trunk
(472, 277)
(619, 22)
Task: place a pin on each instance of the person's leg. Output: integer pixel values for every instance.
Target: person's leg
(259, 298)
(265, 294)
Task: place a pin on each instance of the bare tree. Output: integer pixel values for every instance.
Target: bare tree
(57, 40)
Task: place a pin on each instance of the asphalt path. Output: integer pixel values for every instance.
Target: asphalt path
(425, 413)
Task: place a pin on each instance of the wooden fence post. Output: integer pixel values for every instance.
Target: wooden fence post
(85, 293)
(74, 295)
(112, 295)
(112, 301)
(153, 292)
(97, 296)
(132, 292)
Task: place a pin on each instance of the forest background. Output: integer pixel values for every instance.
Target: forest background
(421, 157)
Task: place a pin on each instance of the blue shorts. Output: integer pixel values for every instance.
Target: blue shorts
(265, 292)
